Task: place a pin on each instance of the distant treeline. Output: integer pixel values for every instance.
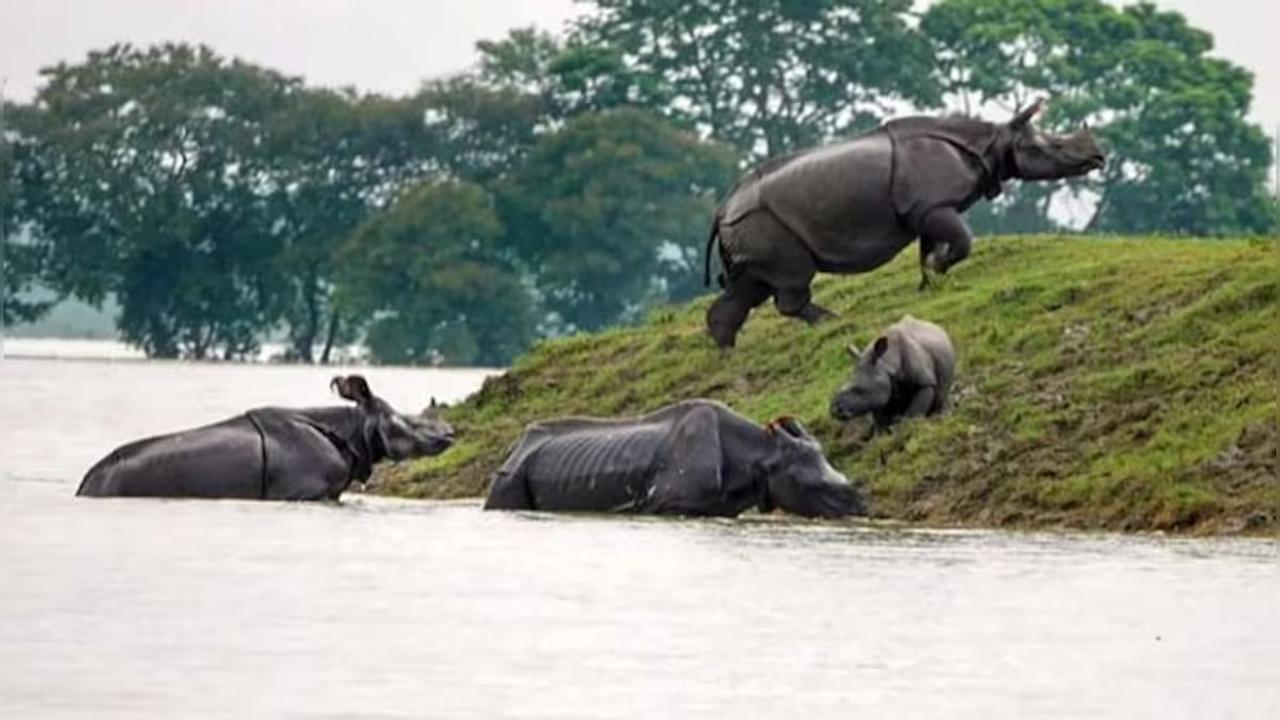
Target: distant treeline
(567, 182)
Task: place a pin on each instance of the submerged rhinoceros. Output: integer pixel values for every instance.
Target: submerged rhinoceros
(853, 206)
(272, 453)
(696, 457)
(904, 373)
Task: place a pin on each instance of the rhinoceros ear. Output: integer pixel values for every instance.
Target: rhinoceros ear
(880, 348)
(354, 388)
(1023, 117)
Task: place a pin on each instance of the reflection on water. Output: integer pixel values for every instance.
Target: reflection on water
(379, 608)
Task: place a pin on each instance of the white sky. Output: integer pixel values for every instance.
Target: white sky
(391, 45)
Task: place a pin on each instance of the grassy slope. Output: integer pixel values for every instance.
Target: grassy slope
(1103, 383)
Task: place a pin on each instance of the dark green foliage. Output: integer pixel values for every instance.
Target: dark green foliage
(147, 170)
(24, 261)
(1184, 158)
(334, 157)
(211, 196)
(766, 77)
(612, 210)
(433, 277)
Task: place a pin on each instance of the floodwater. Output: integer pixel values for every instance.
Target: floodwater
(376, 608)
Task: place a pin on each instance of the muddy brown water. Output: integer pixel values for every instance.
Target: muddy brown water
(377, 608)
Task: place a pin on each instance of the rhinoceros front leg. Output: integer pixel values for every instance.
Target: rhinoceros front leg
(920, 404)
(945, 239)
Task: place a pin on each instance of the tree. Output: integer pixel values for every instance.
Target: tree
(432, 274)
(475, 132)
(334, 157)
(766, 76)
(24, 262)
(567, 77)
(1183, 157)
(611, 211)
(152, 189)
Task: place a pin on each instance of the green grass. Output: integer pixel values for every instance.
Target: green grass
(1108, 383)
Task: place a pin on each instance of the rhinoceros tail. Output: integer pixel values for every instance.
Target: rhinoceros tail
(711, 243)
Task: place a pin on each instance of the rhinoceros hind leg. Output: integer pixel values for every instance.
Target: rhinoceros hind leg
(730, 309)
(814, 314)
(796, 303)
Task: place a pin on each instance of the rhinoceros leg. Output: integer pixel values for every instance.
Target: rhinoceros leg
(741, 294)
(784, 262)
(945, 239)
(796, 303)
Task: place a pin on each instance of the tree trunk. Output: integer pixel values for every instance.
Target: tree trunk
(1099, 210)
(329, 338)
(304, 336)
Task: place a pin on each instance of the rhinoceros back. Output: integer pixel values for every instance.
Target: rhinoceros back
(837, 200)
(219, 460)
(608, 467)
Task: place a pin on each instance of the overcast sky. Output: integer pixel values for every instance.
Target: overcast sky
(391, 45)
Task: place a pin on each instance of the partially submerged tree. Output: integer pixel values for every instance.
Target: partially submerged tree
(437, 282)
(25, 261)
(153, 192)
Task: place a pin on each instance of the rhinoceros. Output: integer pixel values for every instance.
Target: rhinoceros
(696, 457)
(272, 453)
(906, 372)
(853, 206)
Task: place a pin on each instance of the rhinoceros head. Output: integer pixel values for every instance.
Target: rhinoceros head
(872, 386)
(401, 436)
(800, 480)
(1038, 155)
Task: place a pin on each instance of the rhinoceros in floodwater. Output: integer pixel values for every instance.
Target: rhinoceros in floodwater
(853, 206)
(904, 373)
(272, 453)
(696, 457)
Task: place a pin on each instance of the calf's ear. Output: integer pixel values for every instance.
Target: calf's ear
(879, 349)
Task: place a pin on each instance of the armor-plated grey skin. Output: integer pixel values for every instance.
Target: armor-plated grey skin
(696, 457)
(272, 453)
(904, 373)
(853, 206)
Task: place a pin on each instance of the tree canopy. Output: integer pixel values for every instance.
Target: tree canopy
(1183, 156)
(770, 76)
(611, 212)
(431, 273)
(566, 182)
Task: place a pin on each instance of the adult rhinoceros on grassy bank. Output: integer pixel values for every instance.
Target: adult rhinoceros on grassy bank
(851, 207)
(271, 453)
(697, 457)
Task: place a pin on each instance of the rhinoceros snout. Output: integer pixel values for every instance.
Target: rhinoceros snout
(842, 408)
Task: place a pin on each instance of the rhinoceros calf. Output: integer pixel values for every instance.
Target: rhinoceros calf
(271, 453)
(696, 457)
(904, 373)
(853, 206)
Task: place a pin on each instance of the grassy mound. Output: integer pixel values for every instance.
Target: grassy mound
(1125, 384)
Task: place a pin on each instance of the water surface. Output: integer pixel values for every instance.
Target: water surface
(376, 608)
